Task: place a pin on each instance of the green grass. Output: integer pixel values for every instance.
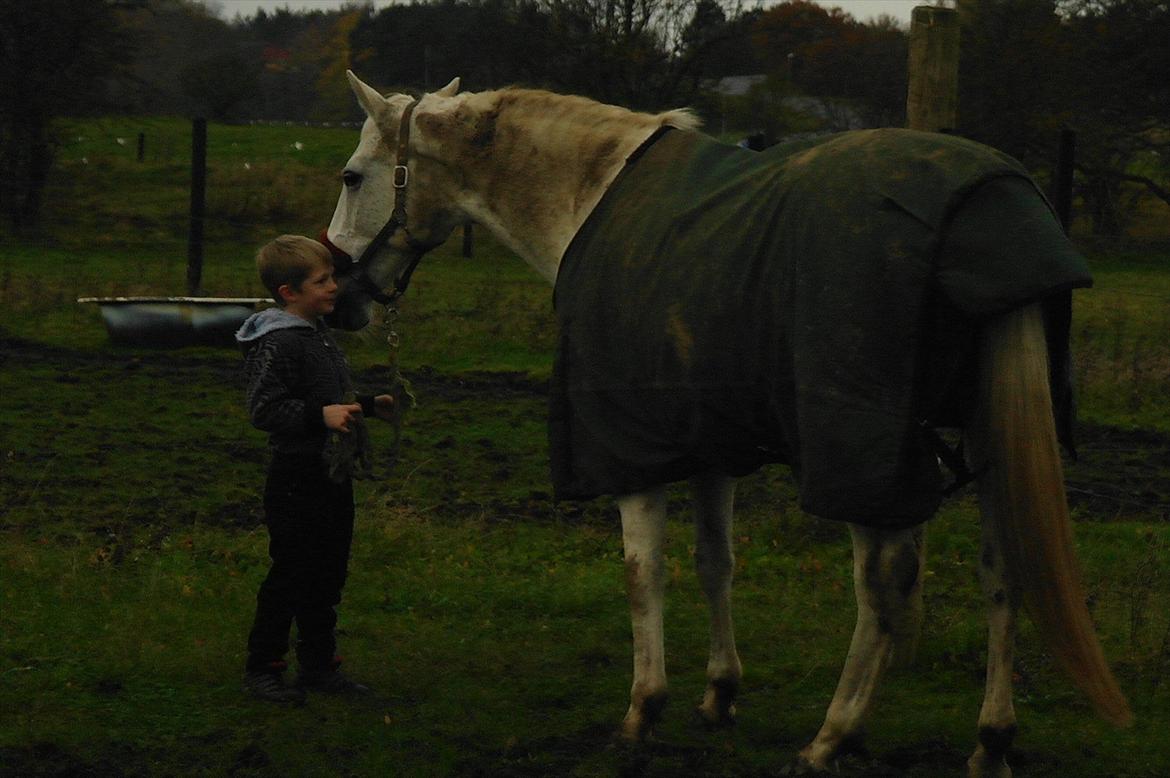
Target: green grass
(501, 647)
(442, 323)
(491, 620)
(1121, 352)
(167, 141)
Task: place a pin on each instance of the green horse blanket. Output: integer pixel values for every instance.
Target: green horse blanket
(815, 304)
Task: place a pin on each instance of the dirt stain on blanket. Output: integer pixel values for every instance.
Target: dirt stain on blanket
(680, 334)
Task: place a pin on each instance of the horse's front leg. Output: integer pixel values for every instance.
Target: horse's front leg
(643, 537)
(713, 497)
(885, 577)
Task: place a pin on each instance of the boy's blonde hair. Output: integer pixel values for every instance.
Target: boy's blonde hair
(289, 260)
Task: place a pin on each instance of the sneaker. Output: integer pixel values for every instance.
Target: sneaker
(331, 681)
(270, 687)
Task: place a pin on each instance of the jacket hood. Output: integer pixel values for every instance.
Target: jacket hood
(269, 320)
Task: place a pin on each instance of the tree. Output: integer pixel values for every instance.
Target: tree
(1013, 75)
(322, 51)
(787, 33)
(714, 45)
(827, 54)
(1122, 102)
(645, 54)
(190, 62)
(219, 83)
(56, 57)
(1030, 67)
(422, 46)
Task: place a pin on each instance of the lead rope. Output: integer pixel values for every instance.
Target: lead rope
(399, 387)
(347, 454)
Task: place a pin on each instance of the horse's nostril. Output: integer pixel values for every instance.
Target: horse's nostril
(341, 260)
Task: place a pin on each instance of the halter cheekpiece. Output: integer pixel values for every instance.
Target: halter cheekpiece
(397, 221)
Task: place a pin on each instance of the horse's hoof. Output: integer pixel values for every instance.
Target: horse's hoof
(715, 720)
(814, 756)
(631, 757)
(717, 709)
(631, 733)
(641, 718)
(801, 767)
(849, 765)
(980, 766)
(849, 752)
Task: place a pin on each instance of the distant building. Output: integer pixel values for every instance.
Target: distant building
(834, 115)
(737, 86)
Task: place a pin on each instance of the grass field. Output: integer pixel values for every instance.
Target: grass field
(490, 620)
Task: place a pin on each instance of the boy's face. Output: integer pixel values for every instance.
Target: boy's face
(316, 297)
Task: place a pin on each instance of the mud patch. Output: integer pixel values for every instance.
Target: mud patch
(140, 458)
(1120, 474)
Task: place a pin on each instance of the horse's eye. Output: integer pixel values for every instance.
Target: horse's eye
(351, 179)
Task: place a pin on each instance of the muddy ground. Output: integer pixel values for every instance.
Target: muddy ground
(1117, 474)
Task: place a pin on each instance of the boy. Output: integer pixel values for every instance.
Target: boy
(298, 381)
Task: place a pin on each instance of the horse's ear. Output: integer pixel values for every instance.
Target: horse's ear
(451, 89)
(367, 97)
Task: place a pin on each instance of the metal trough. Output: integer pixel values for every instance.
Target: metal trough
(174, 321)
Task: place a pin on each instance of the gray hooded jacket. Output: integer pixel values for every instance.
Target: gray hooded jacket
(293, 369)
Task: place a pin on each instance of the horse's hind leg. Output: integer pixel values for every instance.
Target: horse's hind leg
(910, 631)
(643, 537)
(997, 717)
(885, 576)
(713, 496)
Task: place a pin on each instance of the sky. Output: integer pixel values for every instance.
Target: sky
(862, 10)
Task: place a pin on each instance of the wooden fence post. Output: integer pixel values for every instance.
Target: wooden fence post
(932, 98)
(198, 200)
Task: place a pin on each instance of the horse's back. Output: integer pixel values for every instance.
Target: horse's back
(724, 308)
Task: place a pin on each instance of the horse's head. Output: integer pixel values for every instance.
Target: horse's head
(390, 211)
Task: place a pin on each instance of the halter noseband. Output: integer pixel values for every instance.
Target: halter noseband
(396, 222)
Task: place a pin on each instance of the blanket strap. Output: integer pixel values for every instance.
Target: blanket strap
(645, 145)
(953, 458)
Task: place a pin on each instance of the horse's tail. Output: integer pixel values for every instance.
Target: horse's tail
(1023, 488)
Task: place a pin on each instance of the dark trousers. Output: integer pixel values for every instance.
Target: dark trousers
(310, 528)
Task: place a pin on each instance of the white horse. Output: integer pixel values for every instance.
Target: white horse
(531, 166)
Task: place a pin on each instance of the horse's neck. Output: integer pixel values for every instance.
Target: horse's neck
(542, 175)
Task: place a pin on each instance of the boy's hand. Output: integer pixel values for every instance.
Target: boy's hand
(338, 417)
(384, 407)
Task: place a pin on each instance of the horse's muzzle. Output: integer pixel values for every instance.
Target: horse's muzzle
(342, 262)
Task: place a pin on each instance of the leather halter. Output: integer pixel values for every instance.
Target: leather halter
(396, 222)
